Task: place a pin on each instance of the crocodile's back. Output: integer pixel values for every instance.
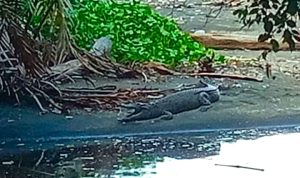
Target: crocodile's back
(175, 103)
(179, 102)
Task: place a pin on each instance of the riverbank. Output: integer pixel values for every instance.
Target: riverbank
(243, 104)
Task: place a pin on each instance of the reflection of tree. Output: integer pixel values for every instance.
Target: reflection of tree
(131, 165)
(123, 157)
(126, 156)
(138, 161)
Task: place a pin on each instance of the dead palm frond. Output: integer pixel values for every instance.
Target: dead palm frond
(26, 55)
(21, 68)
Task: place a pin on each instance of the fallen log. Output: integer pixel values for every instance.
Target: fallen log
(231, 42)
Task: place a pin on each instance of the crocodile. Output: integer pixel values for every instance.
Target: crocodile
(201, 96)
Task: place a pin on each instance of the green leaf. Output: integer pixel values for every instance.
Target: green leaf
(291, 23)
(268, 26)
(275, 45)
(263, 37)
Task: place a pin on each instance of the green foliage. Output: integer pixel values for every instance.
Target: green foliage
(138, 33)
(279, 17)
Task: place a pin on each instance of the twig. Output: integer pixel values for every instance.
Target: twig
(102, 88)
(238, 166)
(211, 16)
(40, 159)
(145, 77)
(53, 86)
(39, 172)
(215, 75)
(37, 100)
(86, 91)
(47, 97)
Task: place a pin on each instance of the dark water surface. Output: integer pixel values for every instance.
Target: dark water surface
(263, 152)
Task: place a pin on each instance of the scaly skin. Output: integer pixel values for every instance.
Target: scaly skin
(202, 96)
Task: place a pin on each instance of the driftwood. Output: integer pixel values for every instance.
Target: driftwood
(229, 42)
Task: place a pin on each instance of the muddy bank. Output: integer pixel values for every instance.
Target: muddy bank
(246, 104)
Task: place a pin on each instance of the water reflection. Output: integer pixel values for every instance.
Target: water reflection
(271, 156)
(232, 153)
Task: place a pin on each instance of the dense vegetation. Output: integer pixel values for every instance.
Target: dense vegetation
(279, 18)
(39, 34)
(138, 33)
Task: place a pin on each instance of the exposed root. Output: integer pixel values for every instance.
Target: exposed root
(23, 72)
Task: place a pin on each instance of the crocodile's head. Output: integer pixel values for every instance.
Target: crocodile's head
(212, 91)
(214, 95)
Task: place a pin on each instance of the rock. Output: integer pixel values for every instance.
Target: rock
(190, 5)
(102, 47)
(199, 32)
(20, 144)
(237, 85)
(69, 117)
(8, 162)
(10, 120)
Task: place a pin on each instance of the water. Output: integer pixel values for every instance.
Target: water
(265, 152)
(268, 157)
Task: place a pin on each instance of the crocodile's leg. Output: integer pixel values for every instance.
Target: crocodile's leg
(143, 112)
(204, 100)
(137, 108)
(205, 108)
(166, 116)
(131, 117)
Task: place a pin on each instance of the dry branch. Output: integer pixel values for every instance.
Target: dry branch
(232, 76)
(23, 72)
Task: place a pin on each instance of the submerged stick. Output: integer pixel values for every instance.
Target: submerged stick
(238, 166)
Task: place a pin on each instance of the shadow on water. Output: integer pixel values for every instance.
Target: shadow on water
(242, 153)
